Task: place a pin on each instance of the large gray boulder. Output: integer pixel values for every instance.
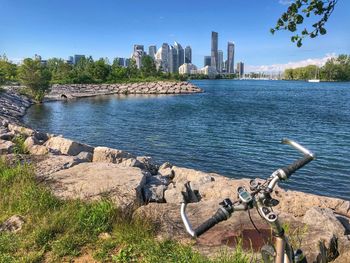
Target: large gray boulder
(109, 155)
(67, 146)
(91, 181)
(12, 224)
(18, 129)
(55, 163)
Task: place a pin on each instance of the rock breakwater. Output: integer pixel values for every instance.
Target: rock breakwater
(70, 91)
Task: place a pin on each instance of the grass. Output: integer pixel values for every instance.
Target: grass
(19, 147)
(56, 230)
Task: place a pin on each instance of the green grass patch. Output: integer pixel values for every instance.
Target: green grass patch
(19, 147)
(56, 230)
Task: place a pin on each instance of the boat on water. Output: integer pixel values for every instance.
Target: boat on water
(313, 80)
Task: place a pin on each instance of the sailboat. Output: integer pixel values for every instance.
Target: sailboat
(315, 79)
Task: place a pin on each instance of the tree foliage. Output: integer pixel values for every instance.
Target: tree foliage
(34, 76)
(335, 69)
(297, 11)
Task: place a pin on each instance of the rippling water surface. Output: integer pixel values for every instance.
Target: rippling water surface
(233, 129)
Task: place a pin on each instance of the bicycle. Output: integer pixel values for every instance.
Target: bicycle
(260, 198)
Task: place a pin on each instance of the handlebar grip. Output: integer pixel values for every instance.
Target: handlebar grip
(290, 169)
(219, 216)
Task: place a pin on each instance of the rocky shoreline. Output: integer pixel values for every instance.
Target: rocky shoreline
(76, 170)
(70, 91)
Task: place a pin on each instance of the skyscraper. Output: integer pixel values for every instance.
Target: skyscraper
(207, 61)
(214, 49)
(188, 54)
(76, 58)
(173, 60)
(180, 55)
(162, 58)
(240, 69)
(230, 67)
(152, 50)
(220, 61)
(138, 48)
(138, 54)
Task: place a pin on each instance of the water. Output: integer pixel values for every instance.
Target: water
(233, 129)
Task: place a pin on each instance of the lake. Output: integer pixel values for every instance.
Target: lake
(233, 129)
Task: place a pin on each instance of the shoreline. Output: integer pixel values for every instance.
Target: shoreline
(150, 186)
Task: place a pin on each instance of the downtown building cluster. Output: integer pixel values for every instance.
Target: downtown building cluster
(167, 58)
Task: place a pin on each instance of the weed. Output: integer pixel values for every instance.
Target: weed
(19, 147)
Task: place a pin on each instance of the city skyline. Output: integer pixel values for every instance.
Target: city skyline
(68, 27)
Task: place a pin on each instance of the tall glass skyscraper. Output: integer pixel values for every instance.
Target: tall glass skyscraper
(214, 49)
(180, 55)
(188, 55)
(220, 61)
(152, 50)
(230, 67)
(207, 61)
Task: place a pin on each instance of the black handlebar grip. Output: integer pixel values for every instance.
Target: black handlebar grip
(219, 216)
(290, 169)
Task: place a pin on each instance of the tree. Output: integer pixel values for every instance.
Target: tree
(131, 70)
(100, 71)
(148, 67)
(60, 70)
(34, 76)
(8, 69)
(296, 13)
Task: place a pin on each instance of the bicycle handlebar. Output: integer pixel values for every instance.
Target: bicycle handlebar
(227, 208)
(292, 168)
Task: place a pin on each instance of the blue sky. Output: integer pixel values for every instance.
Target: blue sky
(109, 28)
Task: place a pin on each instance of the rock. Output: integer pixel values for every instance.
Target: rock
(109, 155)
(30, 142)
(104, 236)
(54, 163)
(8, 136)
(154, 188)
(40, 136)
(154, 193)
(325, 219)
(148, 164)
(13, 224)
(166, 170)
(85, 156)
(67, 146)
(174, 195)
(131, 162)
(6, 147)
(91, 181)
(324, 226)
(17, 129)
(38, 150)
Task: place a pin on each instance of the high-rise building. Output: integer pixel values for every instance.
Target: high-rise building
(220, 61)
(138, 54)
(152, 50)
(121, 62)
(127, 62)
(188, 54)
(173, 60)
(76, 58)
(70, 60)
(162, 58)
(230, 67)
(207, 61)
(139, 47)
(240, 69)
(180, 55)
(214, 49)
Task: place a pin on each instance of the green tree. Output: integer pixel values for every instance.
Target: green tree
(117, 73)
(8, 69)
(60, 70)
(2, 76)
(297, 11)
(100, 70)
(83, 71)
(34, 76)
(148, 67)
(132, 70)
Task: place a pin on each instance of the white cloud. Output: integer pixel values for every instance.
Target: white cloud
(292, 64)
